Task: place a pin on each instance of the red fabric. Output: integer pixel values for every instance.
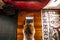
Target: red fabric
(28, 5)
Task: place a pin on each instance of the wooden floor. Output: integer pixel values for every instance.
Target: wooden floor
(37, 24)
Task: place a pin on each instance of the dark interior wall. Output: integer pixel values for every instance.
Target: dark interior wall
(7, 28)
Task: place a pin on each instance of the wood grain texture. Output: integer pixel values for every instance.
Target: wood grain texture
(37, 24)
